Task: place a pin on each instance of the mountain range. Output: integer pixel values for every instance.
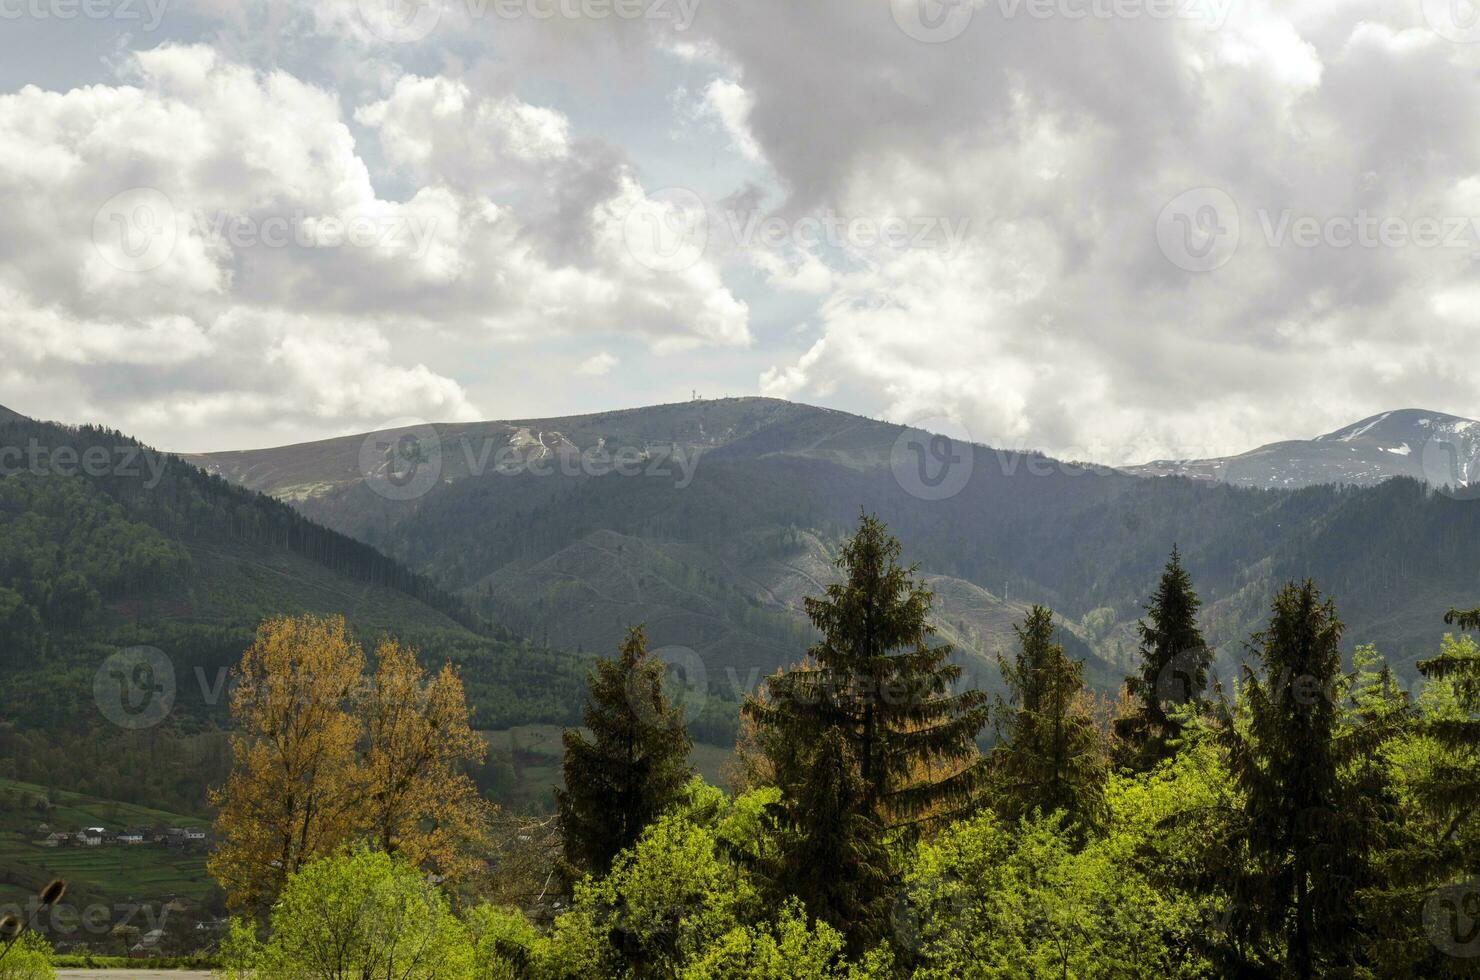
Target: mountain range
(711, 520)
(1442, 450)
(520, 548)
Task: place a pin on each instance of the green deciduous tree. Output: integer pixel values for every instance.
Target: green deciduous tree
(988, 899)
(357, 915)
(27, 957)
(786, 948)
(634, 766)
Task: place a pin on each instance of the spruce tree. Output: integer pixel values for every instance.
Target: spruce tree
(865, 737)
(876, 678)
(634, 766)
(1377, 711)
(1294, 898)
(832, 855)
(1049, 757)
(1174, 670)
(1451, 789)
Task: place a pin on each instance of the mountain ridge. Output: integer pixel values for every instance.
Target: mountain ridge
(336, 460)
(1432, 446)
(710, 556)
(1435, 447)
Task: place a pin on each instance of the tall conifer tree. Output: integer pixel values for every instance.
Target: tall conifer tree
(1174, 669)
(868, 735)
(833, 855)
(1050, 757)
(1294, 899)
(1451, 790)
(876, 678)
(635, 765)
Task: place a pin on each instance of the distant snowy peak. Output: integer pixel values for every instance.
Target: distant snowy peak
(1407, 425)
(1442, 450)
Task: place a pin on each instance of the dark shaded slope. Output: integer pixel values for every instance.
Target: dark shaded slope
(141, 549)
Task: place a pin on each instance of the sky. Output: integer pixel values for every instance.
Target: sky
(1107, 229)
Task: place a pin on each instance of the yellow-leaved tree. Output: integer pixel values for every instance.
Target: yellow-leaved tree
(418, 803)
(324, 757)
(293, 789)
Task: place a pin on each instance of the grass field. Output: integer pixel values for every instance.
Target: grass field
(144, 873)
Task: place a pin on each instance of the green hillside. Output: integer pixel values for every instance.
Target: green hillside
(719, 560)
(139, 550)
(106, 874)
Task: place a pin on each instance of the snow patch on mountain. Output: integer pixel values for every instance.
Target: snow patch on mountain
(1439, 449)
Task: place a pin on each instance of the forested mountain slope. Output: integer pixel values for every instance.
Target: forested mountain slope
(106, 545)
(716, 550)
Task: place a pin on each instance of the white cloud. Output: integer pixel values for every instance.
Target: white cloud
(439, 130)
(148, 221)
(598, 365)
(1060, 324)
(509, 154)
(731, 105)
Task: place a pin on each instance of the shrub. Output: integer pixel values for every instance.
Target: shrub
(359, 914)
(27, 958)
